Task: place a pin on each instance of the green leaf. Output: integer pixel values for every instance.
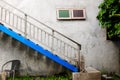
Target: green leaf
(109, 17)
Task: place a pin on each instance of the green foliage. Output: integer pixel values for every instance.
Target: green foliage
(42, 78)
(22, 78)
(109, 17)
(61, 76)
(115, 77)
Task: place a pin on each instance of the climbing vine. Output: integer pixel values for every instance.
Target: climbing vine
(109, 17)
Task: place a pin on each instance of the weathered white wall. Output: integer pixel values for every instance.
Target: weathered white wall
(99, 52)
(32, 63)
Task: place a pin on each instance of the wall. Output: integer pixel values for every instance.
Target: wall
(32, 62)
(99, 52)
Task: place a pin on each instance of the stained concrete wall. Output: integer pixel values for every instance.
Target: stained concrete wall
(99, 52)
(32, 62)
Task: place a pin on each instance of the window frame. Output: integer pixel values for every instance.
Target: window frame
(84, 15)
(71, 14)
(58, 17)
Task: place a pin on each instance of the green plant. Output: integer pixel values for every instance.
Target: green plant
(103, 70)
(115, 77)
(41, 78)
(63, 76)
(109, 17)
(22, 78)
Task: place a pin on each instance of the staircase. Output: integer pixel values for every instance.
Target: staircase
(39, 37)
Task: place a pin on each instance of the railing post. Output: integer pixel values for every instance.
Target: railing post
(25, 33)
(79, 48)
(52, 46)
(1, 13)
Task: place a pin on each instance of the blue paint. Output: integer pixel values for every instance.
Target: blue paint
(38, 48)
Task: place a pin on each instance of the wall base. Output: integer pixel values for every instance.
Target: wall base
(90, 74)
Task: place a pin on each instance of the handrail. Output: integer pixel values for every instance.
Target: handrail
(31, 30)
(42, 23)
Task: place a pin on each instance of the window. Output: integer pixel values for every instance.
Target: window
(78, 14)
(71, 14)
(63, 14)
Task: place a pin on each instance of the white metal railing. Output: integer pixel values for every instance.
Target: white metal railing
(40, 33)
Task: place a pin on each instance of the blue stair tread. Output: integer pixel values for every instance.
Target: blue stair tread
(38, 48)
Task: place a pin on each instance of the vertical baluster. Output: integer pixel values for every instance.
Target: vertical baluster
(29, 28)
(18, 27)
(45, 38)
(32, 29)
(34, 32)
(52, 47)
(16, 21)
(67, 51)
(25, 32)
(60, 47)
(70, 52)
(22, 28)
(5, 16)
(63, 48)
(48, 39)
(9, 18)
(77, 53)
(13, 20)
(57, 45)
(73, 52)
(79, 48)
(41, 36)
(1, 13)
(37, 33)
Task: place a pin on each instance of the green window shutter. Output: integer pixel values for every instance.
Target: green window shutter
(64, 14)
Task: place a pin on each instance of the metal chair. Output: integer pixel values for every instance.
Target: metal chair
(15, 66)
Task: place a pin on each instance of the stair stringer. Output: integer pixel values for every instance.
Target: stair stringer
(38, 48)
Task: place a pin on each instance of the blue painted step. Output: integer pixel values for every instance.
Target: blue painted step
(38, 48)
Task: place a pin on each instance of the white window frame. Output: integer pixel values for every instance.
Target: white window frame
(84, 15)
(70, 16)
